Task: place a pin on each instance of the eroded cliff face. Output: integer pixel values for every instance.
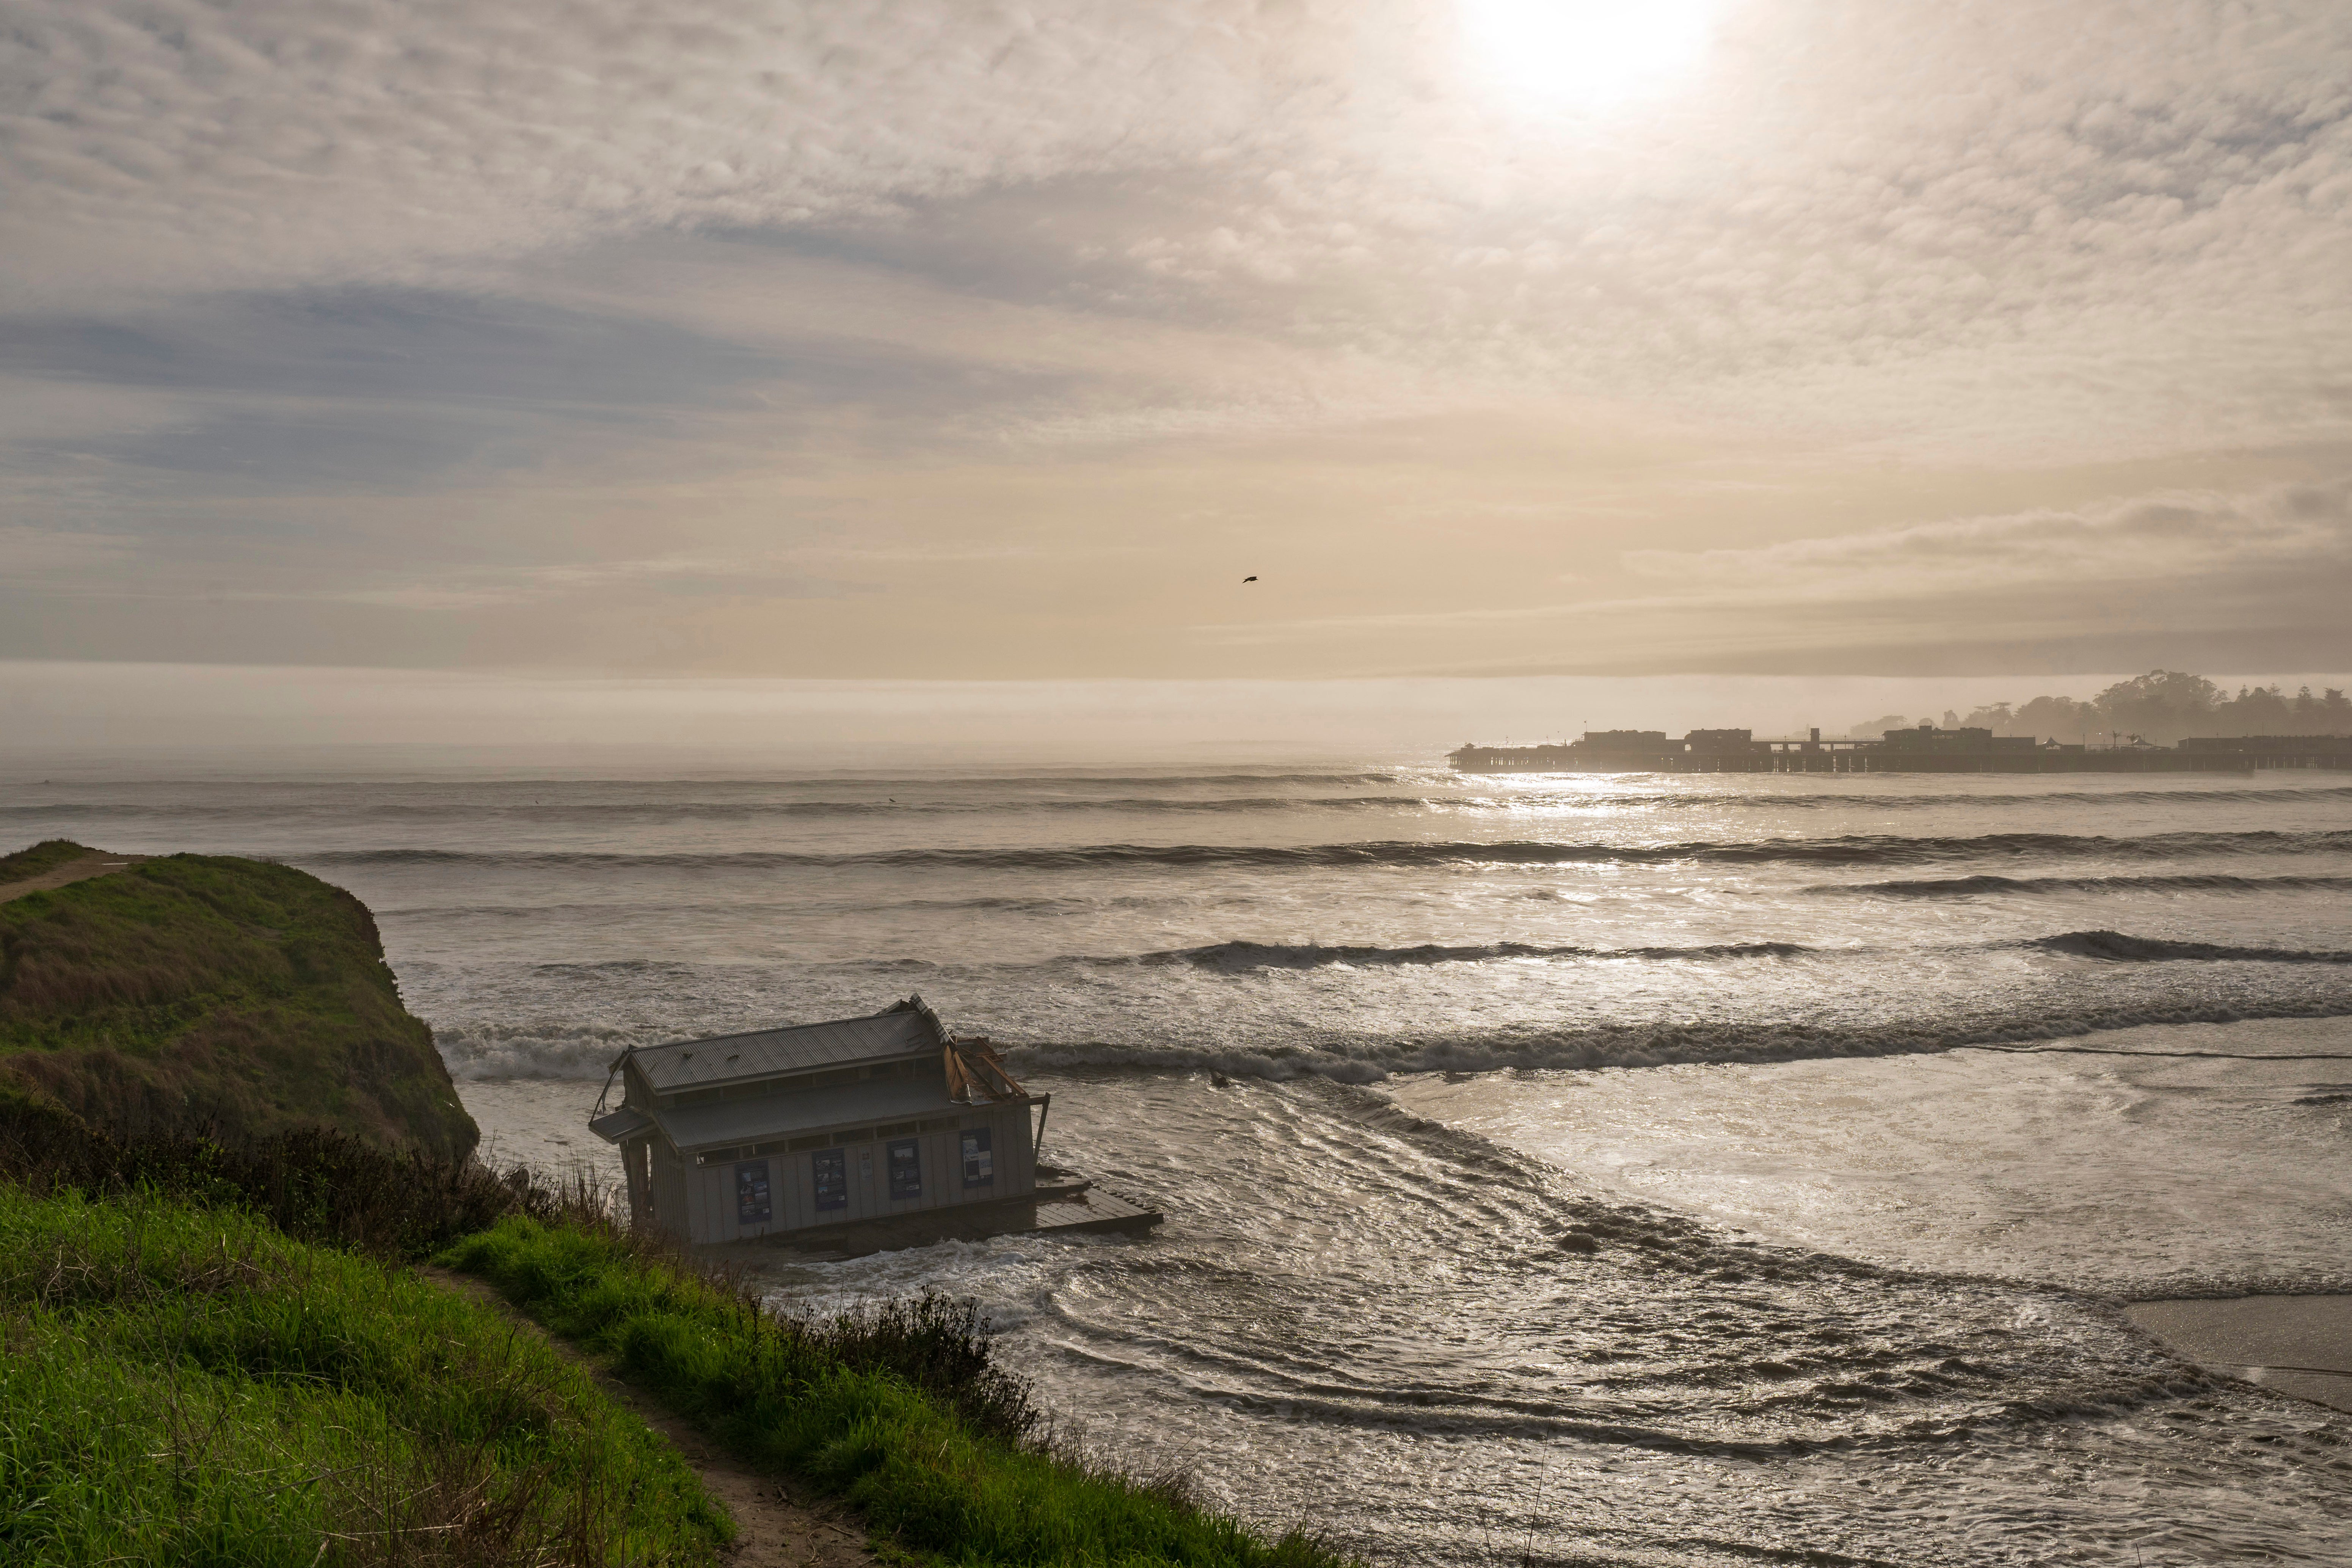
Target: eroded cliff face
(200, 991)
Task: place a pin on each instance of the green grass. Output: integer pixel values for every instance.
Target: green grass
(207, 991)
(904, 1418)
(211, 1351)
(313, 1183)
(186, 1386)
(46, 856)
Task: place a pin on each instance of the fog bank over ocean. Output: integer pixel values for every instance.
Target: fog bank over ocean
(65, 716)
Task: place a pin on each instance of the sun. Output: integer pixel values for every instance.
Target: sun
(1568, 55)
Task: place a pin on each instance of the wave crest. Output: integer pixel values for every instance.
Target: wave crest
(1845, 849)
(2192, 882)
(1238, 957)
(1371, 1060)
(2115, 947)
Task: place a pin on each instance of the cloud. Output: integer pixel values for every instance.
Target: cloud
(2097, 227)
(174, 143)
(2238, 581)
(382, 314)
(2198, 541)
(2245, 581)
(673, 578)
(382, 345)
(34, 554)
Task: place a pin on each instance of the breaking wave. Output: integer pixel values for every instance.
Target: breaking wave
(623, 813)
(510, 803)
(491, 1052)
(1370, 1059)
(1242, 956)
(2193, 882)
(1110, 781)
(2115, 947)
(609, 814)
(1844, 849)
(2062, 797)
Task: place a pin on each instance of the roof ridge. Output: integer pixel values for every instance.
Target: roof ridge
(895, 1009)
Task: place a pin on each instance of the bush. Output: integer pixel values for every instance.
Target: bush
(314, 1183)
(899, 1409)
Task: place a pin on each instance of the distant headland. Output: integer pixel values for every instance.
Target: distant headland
(2164, 721)
(207, 993)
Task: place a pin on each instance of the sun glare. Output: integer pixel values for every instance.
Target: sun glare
(1583, 54)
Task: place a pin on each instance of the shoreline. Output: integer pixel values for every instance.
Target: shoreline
(2300, 1346)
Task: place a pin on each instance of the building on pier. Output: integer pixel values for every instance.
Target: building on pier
(1930, 742)
(1924, 749)
(2275, 750)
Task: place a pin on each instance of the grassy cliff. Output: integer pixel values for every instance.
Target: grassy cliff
(212, 1355)
(186, 1385)
(898, 1409)
(200, 989)
(211, 1351)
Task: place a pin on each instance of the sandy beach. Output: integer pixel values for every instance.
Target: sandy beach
(2298, 1345)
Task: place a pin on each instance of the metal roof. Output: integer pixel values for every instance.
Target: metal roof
(804, 1111)
(612, 1128)
(906, 1028)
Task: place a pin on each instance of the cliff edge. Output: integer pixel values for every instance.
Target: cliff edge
(201, 990)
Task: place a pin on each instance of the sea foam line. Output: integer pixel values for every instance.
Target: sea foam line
(1845, 849)
(2110, 946)
(1657, 1045)
(2186, 882)
(495, 809)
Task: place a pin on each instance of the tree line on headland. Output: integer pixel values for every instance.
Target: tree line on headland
(2161, 708)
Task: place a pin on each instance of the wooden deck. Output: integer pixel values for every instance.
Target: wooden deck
(1097, 1208)
(1060, 1208)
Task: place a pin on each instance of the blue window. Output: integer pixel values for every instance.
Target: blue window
(906, 1170)
(979, 1163)
(751, 1201)
(829, 1174)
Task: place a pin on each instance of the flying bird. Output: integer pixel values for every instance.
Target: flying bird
(1251, 579)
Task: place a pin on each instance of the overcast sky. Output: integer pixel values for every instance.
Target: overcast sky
(956, 340)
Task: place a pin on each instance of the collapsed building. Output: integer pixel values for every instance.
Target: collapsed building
(740, 1136)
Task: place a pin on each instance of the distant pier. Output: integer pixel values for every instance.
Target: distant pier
(1923, 750)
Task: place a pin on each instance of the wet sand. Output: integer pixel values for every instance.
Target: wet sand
(2298, 1345)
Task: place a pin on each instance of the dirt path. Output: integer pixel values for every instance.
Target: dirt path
(774, 1530)
(95, 863)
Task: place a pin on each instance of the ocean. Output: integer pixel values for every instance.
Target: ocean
(1717, 1169)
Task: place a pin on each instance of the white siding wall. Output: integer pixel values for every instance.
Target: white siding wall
(710, 1189)
(698, 1214)
(636, 1166)
(669, 1189)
